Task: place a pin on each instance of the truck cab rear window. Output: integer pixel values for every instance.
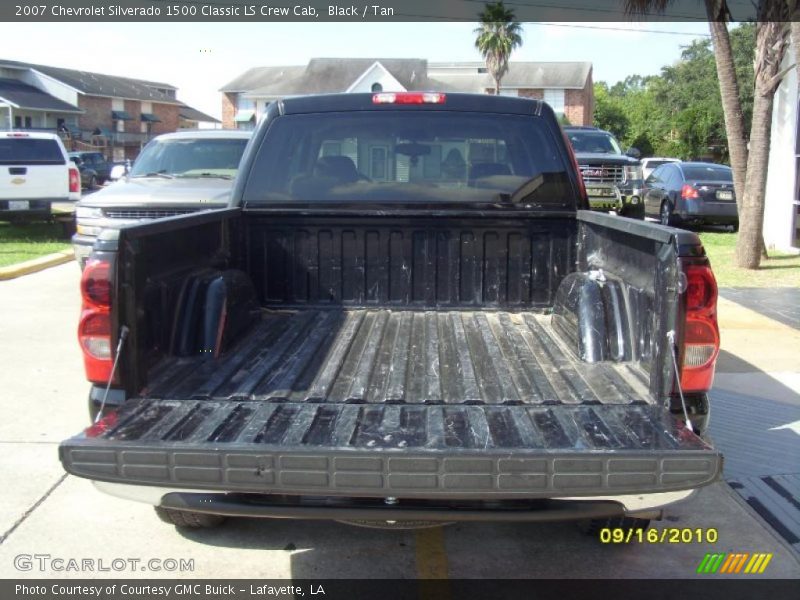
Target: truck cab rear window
(429, 157)
(27, 151)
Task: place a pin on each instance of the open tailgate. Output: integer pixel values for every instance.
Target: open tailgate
(422, 451)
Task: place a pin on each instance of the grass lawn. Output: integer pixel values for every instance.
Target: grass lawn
(19, 243)
(779, 270)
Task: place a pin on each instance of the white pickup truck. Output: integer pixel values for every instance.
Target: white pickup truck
(35, 171)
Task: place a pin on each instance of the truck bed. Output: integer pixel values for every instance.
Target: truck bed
(400, 357)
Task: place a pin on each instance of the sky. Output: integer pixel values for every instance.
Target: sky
(199, 58)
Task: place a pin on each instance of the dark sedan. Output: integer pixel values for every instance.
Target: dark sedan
(691, 193)
(89, 177)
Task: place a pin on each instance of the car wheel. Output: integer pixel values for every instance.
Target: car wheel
(92, 183)
(593, 527)
(665, 216)
(189, 520)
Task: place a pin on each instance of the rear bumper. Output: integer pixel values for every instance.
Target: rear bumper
(36, 209)
(512, 452)
(708, 212)
(281, 507)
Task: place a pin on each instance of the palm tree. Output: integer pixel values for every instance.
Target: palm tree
(498, 35)
(749, 167)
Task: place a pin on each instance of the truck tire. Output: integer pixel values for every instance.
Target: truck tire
(189, 520)
(593, 527)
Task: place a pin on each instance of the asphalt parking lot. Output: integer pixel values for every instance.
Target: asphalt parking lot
(45, 512)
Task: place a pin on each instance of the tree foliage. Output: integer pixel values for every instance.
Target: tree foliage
(679, 112)
(498, 35)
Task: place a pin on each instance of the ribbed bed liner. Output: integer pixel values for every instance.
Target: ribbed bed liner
(403, 357)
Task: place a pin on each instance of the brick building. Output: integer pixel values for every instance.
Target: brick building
(566, 86)
(91, 110)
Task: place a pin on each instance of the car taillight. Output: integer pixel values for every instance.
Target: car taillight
(688, 192)
(94, 329)
(74, 180)
(408, 98)
(96, 282)
(701, 332)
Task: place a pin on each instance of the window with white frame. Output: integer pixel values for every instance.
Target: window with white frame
(555, 98)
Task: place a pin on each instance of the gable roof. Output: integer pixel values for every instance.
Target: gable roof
(332, 75)
(327, 75)
(260, 76)
(472, 76)
(98, 84)
(21, 95)
(192, 114)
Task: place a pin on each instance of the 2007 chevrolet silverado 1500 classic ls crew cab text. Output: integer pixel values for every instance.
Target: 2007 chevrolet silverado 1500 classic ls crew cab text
(407, 314)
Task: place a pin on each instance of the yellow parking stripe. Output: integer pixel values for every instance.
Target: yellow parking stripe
(432, 564)
(431, 555)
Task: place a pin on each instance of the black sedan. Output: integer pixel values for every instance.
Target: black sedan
(691, 193)
(89, 177)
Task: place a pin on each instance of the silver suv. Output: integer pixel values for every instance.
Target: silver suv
(176, 173)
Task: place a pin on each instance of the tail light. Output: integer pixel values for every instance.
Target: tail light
(408, 98)
(74, 180)
(689, 192)
(94, 329)
(701, 332)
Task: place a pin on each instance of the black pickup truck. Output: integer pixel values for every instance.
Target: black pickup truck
(375, 331)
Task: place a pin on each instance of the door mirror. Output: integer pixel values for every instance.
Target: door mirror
(633, 153)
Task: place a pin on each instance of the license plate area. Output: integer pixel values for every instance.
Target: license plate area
(19, 205)
(601, 192)
(725, 195)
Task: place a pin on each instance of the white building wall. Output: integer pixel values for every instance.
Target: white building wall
(779, 209)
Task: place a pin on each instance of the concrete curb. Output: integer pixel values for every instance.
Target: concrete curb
(36, 264)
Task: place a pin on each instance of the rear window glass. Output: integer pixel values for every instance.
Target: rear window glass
(202, 157)
(419, 156)
(28, 151)
(593, 142)
(708, 173)
(652, 164)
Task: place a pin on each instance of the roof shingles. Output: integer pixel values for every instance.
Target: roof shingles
(98, 84)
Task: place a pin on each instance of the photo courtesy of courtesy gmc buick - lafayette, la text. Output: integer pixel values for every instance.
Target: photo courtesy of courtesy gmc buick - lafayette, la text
(407, 315)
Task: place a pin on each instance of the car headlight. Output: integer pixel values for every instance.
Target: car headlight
(87, 212)
(86, 230)
(633, 172)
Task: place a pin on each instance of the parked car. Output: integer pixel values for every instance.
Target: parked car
(89, 177)
(613, 178)
(95, 161)
(34, 172)
(691, 193)
(369, 336)
(175, 174)
(651, 162)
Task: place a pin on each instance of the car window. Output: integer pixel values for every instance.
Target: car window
(597, 142)
(709, 173)
(200, 157)
(673, 176)
(655, 176)
(26, 151)
(404, 156)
